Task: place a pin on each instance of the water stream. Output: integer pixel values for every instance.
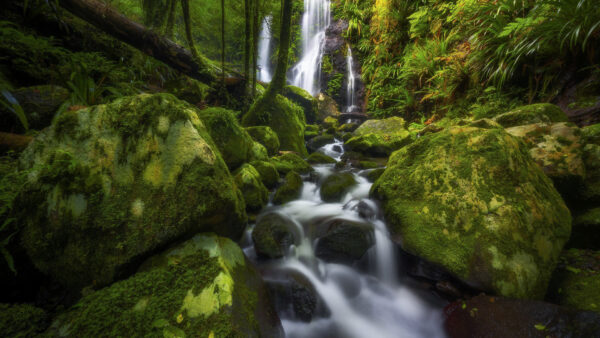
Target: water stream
(264, 47)
(371, 301)
(351, 84)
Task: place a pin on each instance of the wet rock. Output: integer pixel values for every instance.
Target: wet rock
(317, 142)
(348, 127)
(301, 97)
(104, 189)
(327, 107)
(343, 241)
(265, 136)
(337, 148)
(374, 174)
(535, 113)
(473, 201)
(290, 189)
(331, 123)
(273, 235)
(586, 230)
(576, 280)
(365, 209)
(485, 316)
(379, 137)
(268, 173)
(290, 161)
(367, 165)
(311, 131)
(198, 288)
(22, 320)
(316, 158)
(336, 186)
(248, 180)
(39, 103)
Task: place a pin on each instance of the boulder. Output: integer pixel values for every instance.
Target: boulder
(327, 107)
(534, 113)
(343, 241)
(318, 157)
(473, 201)
(273, 235)
(248, 180)
(204, 287)
(331, 123)
(268, 173)
(576, 280)
(498, 317)
(557, 149)
(317, 142)
(307, 102)
(290, 189)
(258, 152)
(336, 186)
(109, 184)
(586, 230)
(380, 137)
(284, 117)
(233, 141)
(311, 131)
(265, 136)
(290, 161)
(373, 175)
(22, 320)
(348, 127)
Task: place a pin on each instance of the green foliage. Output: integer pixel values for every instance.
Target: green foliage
(335, 84)
(14, 107)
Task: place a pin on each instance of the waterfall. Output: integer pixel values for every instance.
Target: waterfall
(351, 85)
(264, 44)
(315, 21)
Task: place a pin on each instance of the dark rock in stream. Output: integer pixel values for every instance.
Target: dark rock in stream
(336, 186)
(343, 241)
(273, 235)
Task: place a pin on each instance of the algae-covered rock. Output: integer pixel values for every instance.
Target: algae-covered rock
(311, 131)
(380, 137)
(284, 117)
(258, 152)
(290, 189)
(473, 201)
(586, 230)
(348, 127)
(265, 136)
(557, 149)
(591, 134)
(331, 123)
(534, 113)
(22, 320)
(273, 235)
(301, 97)
(317, 142)
(290, 161)
(343, 241)
(576, 280)
(336, 186)
(249, 181)
(187, 89)
(318, 157)
(204, 287)
(375, 174)
(268, 173)
(233, 141)
(110, 184)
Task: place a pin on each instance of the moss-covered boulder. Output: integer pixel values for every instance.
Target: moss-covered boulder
(284, 117)
(347, 127)
(373, 175)
(187, 89)
(290, 161)
(534, 113)
(290, 189)
(320, 158)
(234, 142)
(380, 137)
(576, 280)
(268, 173)
(301, 97)
(110, 184)
(336, 186)
(327, 107)
(273, 235)
(311, 131)
(249, 181)
(331, 123)
(317, 142)
(205, 287)
(258, 152)
(557, 149)
(265, 136)
(473, 201)
(22, 320)
(343, 241)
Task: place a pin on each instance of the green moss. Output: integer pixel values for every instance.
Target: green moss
(249, 181)
(268, 173)
(473, 201)
(273, 235)
(290, 189)
(535, 113)
(22, 320)
(336, 186)
(265, 136)
(306, 101)
(319, 141)
(591, 134)
(380, 137)
(290, 161)
(317, 157)
(373, 175)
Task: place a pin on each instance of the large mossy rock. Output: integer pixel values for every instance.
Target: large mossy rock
(557, 149)
(290, 189)
(343, 241)
(316, 158)
(473, 201)
(248, 179)
(576, 280)
(265, 136)
(268, 173)
(317, 142)
(327, 107)
(284, 117)
(301, 97)
(233, 141)
(336, 186)
(380, 137)
(534, 113)
(22, 320)
(273, 235)
(290, 161)
(110, 184)
(204, 287)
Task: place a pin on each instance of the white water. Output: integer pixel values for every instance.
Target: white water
(264, 44)
(377, 303)
(315, 20)
(351, 85)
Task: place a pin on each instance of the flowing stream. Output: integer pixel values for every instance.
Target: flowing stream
(264, 47)
(363, 300)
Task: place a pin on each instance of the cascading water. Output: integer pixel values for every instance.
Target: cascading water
(315, 20)
(351, 85)
(358, 303)
(264, 46)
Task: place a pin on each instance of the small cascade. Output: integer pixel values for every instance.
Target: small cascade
(315, 20)
(351, 85)
(264, 47)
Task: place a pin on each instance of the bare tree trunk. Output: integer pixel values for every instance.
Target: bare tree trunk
(279, 79)
(119, 26)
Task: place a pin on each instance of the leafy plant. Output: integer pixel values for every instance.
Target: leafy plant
(13, 106)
